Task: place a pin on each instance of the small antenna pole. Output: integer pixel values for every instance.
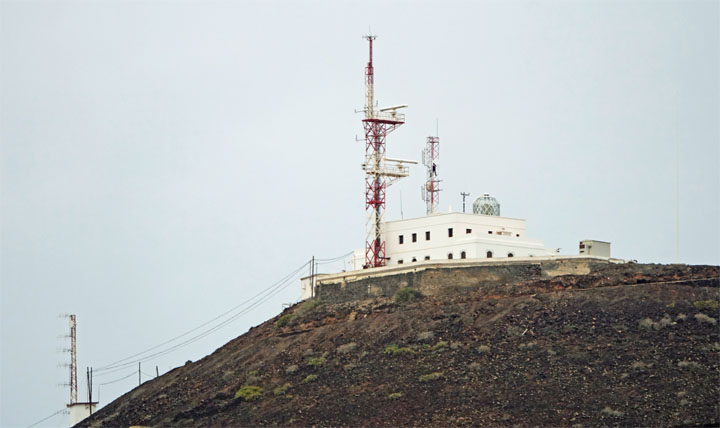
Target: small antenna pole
(139, 375)
(464, 195)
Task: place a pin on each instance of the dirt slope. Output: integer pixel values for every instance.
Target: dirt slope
(631, 345)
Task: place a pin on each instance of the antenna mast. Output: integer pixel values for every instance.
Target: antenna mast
(431, 191)
(73, 362)
(379, 171)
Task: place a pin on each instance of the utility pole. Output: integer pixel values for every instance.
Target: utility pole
(464, 195)
(139, 375)
(312, 277)
(157, 372)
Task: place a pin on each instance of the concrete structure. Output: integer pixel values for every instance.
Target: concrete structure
(80, 411)
(455, 236)
(442, 276)
(592, 247)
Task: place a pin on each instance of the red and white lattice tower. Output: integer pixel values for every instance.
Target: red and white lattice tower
(73, 362)
(379, 170)
(431, 191)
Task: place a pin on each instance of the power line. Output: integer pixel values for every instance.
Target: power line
(335, 258)
(44, 419)
(118, 380)
(263, 296)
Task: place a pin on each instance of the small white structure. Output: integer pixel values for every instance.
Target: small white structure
(591, 247)
(455, 236)
(80, 411)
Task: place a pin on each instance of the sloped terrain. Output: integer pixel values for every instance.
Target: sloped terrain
(631, 345)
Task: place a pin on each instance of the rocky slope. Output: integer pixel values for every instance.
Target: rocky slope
(631, 345)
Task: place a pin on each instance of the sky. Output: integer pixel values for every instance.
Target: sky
(162, 162)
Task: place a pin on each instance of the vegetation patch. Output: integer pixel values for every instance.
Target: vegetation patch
(527, 346)
(701, 317)
(284, 320)
(426, 336)
(611, 412)
(430, 377)
(688, 364)
(316, 361)
(346, 348)
(292, 368)
(483, 349)
(407, 295)
(439, 346)
(395, 395)
(249, 393)
(281, 389)
(396, 350)
(308, 306)
(310, 378)
(706, 304)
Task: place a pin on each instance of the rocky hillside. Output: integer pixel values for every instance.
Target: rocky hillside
(631, 345)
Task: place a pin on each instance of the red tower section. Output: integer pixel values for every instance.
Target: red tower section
(377, 125)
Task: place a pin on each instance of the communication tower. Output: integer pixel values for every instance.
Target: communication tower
(380, 171)
(73, 360)
(431, 190)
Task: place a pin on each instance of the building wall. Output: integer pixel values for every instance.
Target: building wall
(592, 247)
(435, 278)
(473, 234)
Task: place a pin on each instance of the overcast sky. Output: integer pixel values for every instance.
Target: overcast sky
(162, 162)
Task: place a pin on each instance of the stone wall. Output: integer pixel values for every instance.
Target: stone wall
(438, 279)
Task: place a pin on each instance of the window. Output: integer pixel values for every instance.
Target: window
(450, 256)
(582, 245)
(400, 261)
(463, 255)
(450, 231)
(468, 230)
(427, 257)
(414, 237)
(489, 254)
(427, 235)
(511, 255)
(414, 259)
(401, 239)
(517, 234)
(489, 232)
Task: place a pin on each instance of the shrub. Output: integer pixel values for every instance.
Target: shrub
(407, 295)
(310, 378)
(706, 304)
(701, 317)
(430, 376)
(396, 350)
(249, 393)
(308, 306)
(483, 349)
(292, 368)
(280, 389)
(438, 346)
(426, 336)
(348, 347)
(284, 320)
(395, 395)
(688, 364)
(316, 361)
(610, 412)
(528, 345)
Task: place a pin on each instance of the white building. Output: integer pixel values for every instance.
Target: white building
(455, 236)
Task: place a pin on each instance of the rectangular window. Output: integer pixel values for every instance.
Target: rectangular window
(489, 232)
(427, 235)
(400, 261)
(427, 257)
(401, 239)
(582, 245)
(468, 230)
(414, 237)
(450, 232)
(517, 234)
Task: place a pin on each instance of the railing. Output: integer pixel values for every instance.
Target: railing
(388, 116)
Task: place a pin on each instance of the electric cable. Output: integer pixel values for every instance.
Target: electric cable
(46, 418)
(118, 380)
(262, 297)
(117, 363)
